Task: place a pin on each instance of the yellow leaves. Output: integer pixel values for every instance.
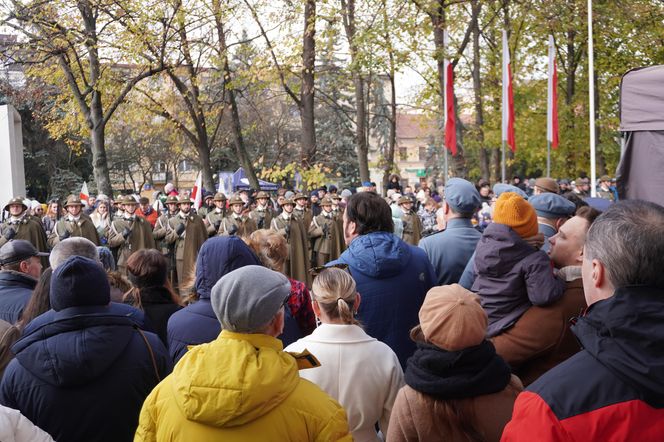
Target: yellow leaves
(310, 178)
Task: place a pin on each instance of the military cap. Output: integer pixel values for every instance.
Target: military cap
(235, 199)
(73, 201)
(287, 201)
(335, 197)
(172, 200)
(184, 200)
(300, 196)
(219, 197)
(128, 199)
(499, 188)
(552, 206)
(404, 200)
(326, 201)
(462, 196)
(605, 178)
(15, 201)
(547, 185)
(207, 196)
(262, 194)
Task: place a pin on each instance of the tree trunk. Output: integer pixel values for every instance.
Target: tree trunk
(571, 68)
(392, 141)
(307, 94)
(99, 161)
(477, 90)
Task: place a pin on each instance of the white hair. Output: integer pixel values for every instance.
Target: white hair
(77, 246)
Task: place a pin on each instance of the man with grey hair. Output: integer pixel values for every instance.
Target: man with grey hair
(76, 246)
(614, 388)
(258, 395)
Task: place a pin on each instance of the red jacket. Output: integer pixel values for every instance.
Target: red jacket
(152, 217)
(613, 390)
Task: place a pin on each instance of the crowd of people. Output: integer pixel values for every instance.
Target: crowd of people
(468, 312)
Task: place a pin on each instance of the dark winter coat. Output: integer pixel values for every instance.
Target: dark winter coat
(393, 278)
(611, 390)
(15, 291)
(511, 276)
(158, 307)
(84, 375)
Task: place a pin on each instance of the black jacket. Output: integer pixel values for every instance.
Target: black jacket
(15, 291)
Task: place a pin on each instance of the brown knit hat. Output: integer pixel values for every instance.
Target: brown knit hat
(451, 318)
(512, 210)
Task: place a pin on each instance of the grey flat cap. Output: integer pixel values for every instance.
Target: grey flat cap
(246, 299)
(18, 250)
(552, 206)
(499, 188)
(462, 196)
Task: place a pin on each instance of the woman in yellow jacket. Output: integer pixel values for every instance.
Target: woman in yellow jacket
(242, 386)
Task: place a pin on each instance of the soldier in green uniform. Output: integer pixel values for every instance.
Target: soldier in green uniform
(321, 231)
(214, 217)
(412, 226)
(74, 223)
(20, 225)
(297, 264)
(161, 228)
(187, 233)
(237, 223)
(130, 234)
(207, 205)
(263, 213)
(301, 211)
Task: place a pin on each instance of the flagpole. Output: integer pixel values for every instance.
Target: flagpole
(591, 93)
(503, 164)
(548, 158)
(447, 172)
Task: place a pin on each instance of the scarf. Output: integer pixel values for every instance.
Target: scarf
(462, 374)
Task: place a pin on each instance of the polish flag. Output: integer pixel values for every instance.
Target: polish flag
(448, 99)
(552, 102)
(196, 192)
(84, 195)
(508, 97)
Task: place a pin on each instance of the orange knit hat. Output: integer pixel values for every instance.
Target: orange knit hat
(514, 211)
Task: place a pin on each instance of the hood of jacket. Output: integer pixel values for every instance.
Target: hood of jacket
(79, 345)
(218, 256)
(378, 255)
(624, 333)
(256, 377)
(499, 249)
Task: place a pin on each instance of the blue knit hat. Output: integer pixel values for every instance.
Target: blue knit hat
(79, 282)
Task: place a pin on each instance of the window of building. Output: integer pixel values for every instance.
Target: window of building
(159, 166)
(423, 153)
(403, 153)
(185, 166)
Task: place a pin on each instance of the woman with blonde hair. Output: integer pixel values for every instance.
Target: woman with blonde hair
(272, 251)
(362, 373)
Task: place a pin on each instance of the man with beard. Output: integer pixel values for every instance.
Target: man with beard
(73, 224)
(293, 230)
(216, 215)
(237, 223)
(263, 213)
(325, 232)
(20, 225)
(187, 233)
(130, 234)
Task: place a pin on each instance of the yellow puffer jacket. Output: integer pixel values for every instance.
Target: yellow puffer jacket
(240, 387)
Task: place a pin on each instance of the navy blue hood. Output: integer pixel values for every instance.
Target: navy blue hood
(377, 254)
(77, 282)
(625, 334)
(218, 256)
(78, 346)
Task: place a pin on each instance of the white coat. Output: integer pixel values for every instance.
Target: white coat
(14, 427)
(360, 372)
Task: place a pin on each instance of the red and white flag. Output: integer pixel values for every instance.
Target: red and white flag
(508, 97)
(196, 192)
(84, 195)
(552, 102)
(448, 99)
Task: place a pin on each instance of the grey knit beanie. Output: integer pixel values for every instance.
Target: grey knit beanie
(245, 300)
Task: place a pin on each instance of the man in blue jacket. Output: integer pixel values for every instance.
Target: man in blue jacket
(84, 374)
(392, 276)
(21, 267)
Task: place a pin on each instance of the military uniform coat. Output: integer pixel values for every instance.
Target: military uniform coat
(412, 228)
(262, 217)
(83, 227)
(139, 238)
(28, 229)
(186, 245)
(325, 232)
(214, 218)
(242, 226)
(297, 264)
